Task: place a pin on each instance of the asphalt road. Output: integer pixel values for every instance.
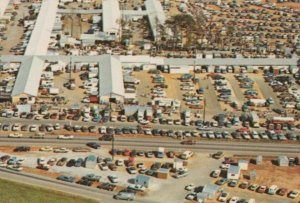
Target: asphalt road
(200, 146)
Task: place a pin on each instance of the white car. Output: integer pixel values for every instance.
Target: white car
(15, 135)
(137, 187)
(57, 126)
(41, 161)
(255, 135)
(225, 166)
(189, 187)
(65, 137)
(86, 100)
(144, 122)
(61, 150)
(294, 194)
(113, 178)
(46, 149)
(33, 128)
(191, 196)
(20, 161)
(49, 128)
(16, 127)
(15, 167)
(234, 199)
(103, 166)
(223, 197)
(103, 129)
(38, 117)
(120, 162)
(3, 164)
(86, 119)
(216, 173)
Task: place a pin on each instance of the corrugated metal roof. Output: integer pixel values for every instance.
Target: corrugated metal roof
(3, 6)
(234, 169)
(111, 15)
(29, 76)
(40, 37)
(110, 76)
(210, 189)
(156, 15)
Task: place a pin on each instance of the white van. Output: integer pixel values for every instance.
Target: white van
(186, 155)
(272, 190)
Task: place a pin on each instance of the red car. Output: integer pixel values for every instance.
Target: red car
(282, 191)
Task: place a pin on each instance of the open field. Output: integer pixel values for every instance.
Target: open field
(11, 192)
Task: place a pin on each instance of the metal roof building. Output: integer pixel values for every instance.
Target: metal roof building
(111, 83)
(28, 79)
(111, 17)
(211, 190)
(233, 172)
(156, 15)
(283, 161)
(3, 6)
(40, 37)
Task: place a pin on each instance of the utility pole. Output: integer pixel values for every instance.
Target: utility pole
(113, 147)
(204, 110)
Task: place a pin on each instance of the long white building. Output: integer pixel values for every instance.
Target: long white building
(156, 16)
(111, 17)
(3, 6)
(40, 38)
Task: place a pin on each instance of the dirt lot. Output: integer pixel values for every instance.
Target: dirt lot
(143, 93)
(78, 26)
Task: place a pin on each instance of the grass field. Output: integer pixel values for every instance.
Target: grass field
(12, 192)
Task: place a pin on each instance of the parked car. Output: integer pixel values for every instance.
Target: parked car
(113, 178)
(125, 196)
(216, 173)
(189, 187)
(272, 190)
(131, 170)
(223, 197)
(181, 174)
(253, 187)
(79, 162)
(140, 188)
(234, 199)
(85, 182)
(107, 186)
(244, 185)
(92, 177)
(61, 161)
(262, 189)
(233, 183)
(61, 150)
(294, 194)
(70, 179)
(222, 181)
(282, 191)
